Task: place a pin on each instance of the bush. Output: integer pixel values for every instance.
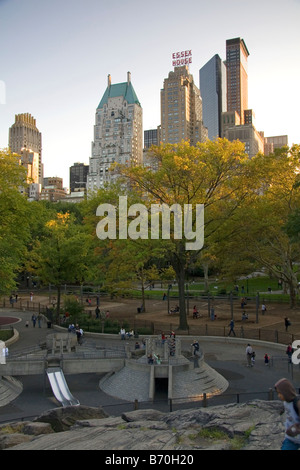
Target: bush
(72, 308)
(6, 334)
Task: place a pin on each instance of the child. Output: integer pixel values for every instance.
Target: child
(267, 359)
(287, 393)
(253, 358)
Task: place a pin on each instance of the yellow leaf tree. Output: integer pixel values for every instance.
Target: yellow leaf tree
(217, 174)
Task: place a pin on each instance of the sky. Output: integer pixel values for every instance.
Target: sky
(55, 56)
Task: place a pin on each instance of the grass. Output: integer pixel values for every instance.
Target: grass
(248, 287)
(6, 334)
(215, 435)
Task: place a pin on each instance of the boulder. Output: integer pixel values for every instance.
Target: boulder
(256, 425)
(11, 440)
(62, 419)
(35, 429)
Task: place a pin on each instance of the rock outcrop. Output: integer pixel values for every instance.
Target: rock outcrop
(256, 425)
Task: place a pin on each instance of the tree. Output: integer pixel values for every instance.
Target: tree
(265, 232)
(62, 255)
(15, 225)
(217, 174)
(119, 264)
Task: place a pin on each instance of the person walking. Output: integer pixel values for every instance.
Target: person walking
(196, 347)
(287, 323)
(287, 393)
(289, 352)
(123, 333)
(249, 352)
(267, 359)
(253, 355)
(231, 325)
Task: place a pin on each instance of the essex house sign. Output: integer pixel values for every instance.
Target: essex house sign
(181, 58)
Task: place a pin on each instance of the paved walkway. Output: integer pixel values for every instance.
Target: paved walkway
(226, 355)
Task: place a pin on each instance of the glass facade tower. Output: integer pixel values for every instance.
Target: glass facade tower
(213, 92)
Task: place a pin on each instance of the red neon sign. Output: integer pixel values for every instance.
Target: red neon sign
(182, 58)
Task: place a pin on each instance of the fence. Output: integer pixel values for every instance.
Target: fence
(25, 305)
(169, 405)
(262, 334)
(207, 329)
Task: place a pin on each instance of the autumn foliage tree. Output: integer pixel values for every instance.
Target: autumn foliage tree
(266, 229)
(217, 174)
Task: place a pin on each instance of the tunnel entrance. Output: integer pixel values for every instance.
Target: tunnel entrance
(161, 388)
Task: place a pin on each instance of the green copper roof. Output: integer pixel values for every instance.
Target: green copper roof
(120, 89)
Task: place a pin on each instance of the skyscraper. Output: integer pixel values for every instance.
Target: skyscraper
(213, 92)
(78, 176)
(25, 137)
(181, 109)
(118, 133)
(237, 76)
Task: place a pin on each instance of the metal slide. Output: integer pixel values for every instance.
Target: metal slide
(60, 388)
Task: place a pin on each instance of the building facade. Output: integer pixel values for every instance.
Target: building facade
(78, 176)
(52, 189)
(237, 76)
(25, 136)
(212, 78)
(118, 133)
(151, 137)
(181, 109)
(275, 142)
(246, 133)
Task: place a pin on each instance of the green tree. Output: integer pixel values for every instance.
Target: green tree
(217, 174)
(15, 226)
(260, 232)
(62, 255)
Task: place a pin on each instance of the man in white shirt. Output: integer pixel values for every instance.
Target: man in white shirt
(249, 352)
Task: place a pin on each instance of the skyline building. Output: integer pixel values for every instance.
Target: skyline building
(237, 76)
(181, 109)
(151, 137)
(52, 189)
(212, 79)
(118, 133)
(24, 138)
(78, 176)
(187, 113)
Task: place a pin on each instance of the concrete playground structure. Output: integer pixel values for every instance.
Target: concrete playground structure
(128, 374)
(163, 366)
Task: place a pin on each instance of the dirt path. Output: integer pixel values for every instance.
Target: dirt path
(157, 311)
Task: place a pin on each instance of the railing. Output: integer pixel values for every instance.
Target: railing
(169, 405)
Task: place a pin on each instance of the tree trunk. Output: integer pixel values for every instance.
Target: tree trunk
(292, 294)
(205, 272)
(58, 304)
(183, 325)
(179, 262)
(143, 291)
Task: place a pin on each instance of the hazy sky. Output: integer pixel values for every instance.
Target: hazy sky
(55, 56)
